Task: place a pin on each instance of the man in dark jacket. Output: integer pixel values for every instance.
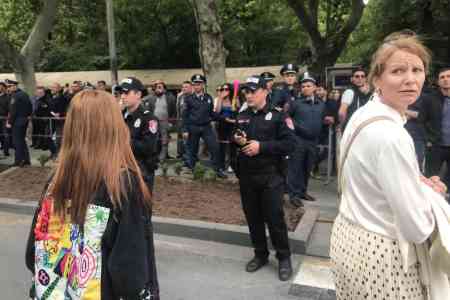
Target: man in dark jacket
(435, 115)
(264, 137)
(287, 91)
(308, 116)
(197, 117)
(144, 128)
(5, 134)
(20, 112)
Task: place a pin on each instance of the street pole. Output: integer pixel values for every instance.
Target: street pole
(111, 41)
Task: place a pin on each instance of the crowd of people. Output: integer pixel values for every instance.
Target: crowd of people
(271, 137)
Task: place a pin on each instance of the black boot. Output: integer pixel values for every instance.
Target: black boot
(255, 264)
(284, 269)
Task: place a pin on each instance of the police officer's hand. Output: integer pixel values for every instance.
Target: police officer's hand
(185, 135)
(8, 125)
(241, 138)
(252, 148)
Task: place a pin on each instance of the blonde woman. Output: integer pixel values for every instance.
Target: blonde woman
(385, 205)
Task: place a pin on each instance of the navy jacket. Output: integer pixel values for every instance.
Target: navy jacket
(20, 108)
(198, 111)
(307, 116)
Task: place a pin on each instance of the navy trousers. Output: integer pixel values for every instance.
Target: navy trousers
(300, 164)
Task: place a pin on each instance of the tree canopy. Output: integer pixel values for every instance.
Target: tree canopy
(163, 33)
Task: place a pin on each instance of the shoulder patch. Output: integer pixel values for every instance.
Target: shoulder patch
(289, 123)
(153, 126)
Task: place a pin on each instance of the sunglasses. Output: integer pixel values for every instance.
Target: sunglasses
(359, 76)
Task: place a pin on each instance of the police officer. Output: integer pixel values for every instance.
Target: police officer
(198, 114)
(144, 128)
(307, 114)
(269, 78)
(20, 112)
(5, 135)
(287, 92)
(264, 138)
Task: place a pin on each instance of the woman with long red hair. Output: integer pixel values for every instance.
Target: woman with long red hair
(91, 236)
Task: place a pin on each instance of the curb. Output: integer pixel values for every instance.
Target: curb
(313, 280)
(207, 231)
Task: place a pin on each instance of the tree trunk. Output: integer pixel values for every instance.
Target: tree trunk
(211, 49)
(23, 61)
(25, 74)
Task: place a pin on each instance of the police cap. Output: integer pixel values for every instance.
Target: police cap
(198, 78)
(254, 82)
(11, 82)
(267, 76)
(308, 78)
(289, 69)
(130, 83)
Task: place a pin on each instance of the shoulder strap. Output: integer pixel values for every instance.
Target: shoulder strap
(352, 139)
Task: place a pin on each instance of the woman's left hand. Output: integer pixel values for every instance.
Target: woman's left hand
(435, 183)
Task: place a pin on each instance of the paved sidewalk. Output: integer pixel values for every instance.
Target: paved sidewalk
(188, 269)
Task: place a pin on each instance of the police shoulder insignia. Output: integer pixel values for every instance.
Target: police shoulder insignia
(289, 123)
(268, 116)
(137, 123)
(153, 126)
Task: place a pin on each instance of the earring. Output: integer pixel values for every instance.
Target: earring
(378, 91)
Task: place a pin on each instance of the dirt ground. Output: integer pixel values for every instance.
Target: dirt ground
(173, 197)
(24, 183)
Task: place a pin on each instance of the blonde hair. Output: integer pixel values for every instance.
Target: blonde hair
(95, 150)
(403, 40)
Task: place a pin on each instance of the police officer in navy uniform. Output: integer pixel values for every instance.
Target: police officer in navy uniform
(198, 114)
(269, 78)
(308, 114)
(287, 92)
(144, 128)
(20, 112)
(264, 137)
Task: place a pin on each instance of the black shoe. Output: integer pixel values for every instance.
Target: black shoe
(284, 269)
(6, 153)
(255, 264)
(308, 197)
(169, 157)
(221, 174)
(296, 201)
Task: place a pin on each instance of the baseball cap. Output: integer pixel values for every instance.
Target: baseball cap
(130, 83)
(254, 82)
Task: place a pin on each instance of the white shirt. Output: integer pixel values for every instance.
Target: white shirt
(382, 191)
(347, 97)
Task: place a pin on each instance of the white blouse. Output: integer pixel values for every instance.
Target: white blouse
(382, 190)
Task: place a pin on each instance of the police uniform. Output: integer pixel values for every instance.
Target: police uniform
(285, 93)
(144, 134)
(198, 114)
(307, 115)
(20, 111)
(268, 76)
(261, 179)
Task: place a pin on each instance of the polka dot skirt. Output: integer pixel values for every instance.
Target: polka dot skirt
(366, 265)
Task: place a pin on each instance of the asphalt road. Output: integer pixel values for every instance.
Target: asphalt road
(188, 269)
